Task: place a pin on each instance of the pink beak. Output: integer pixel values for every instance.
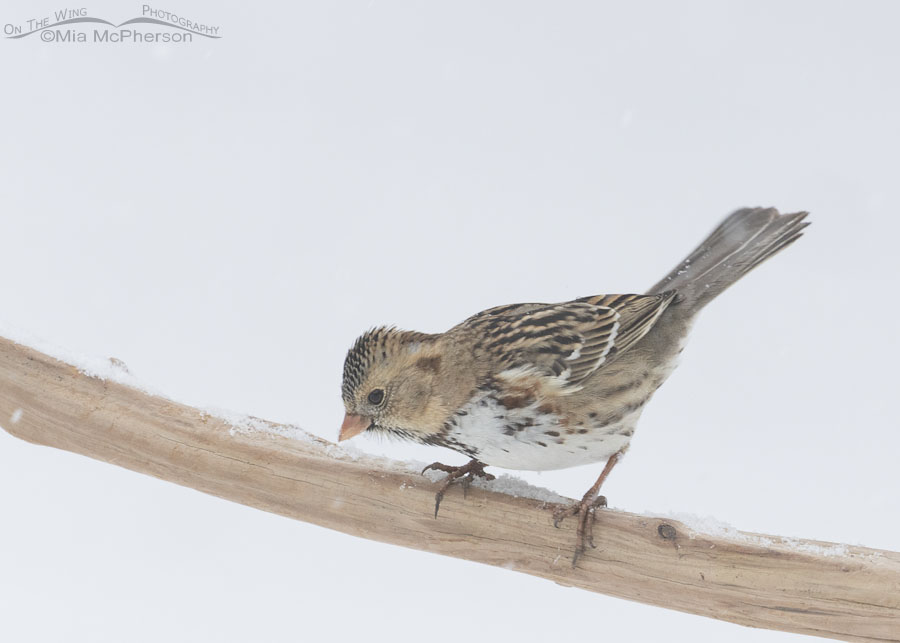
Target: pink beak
(353, 425)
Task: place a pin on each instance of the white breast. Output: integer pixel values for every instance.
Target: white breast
(528, 440)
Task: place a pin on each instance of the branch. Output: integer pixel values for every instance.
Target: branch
(847, 593)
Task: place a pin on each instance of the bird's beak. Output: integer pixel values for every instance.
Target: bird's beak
(353, 425)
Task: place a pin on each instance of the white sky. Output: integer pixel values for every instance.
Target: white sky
(226, 216)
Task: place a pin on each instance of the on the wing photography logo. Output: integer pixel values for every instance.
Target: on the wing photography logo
(78, 26)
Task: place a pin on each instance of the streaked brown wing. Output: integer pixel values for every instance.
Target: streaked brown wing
(568, 341)
(638, 314)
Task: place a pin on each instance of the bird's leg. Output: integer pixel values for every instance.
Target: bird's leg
(467, 472)
(585, 509)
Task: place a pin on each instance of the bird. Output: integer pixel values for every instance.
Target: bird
(537, 386)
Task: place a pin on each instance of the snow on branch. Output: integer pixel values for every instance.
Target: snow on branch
(836, 591)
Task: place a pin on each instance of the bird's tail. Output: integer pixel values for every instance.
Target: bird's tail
(740, 243)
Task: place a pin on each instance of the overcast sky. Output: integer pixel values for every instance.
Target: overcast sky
(227, 215)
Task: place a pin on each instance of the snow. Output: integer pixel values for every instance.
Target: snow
(518, 488)
(710, 526)
(504, 483)
(115, 370)
(242, 423)
(105, 368)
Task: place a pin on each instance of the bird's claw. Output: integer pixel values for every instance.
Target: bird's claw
(437, 502)
(439, 466)
(465, 474)
(584, 533)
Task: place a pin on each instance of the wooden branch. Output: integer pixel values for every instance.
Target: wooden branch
(848, 593)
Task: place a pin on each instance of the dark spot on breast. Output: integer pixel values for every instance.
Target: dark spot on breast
(582, 431)
(546, 408)
(592, 415)
(542, 444)
(516, 401)
(554, 434)
(432, 364)
(509, 431)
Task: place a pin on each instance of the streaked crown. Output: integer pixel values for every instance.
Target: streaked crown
(373, 347)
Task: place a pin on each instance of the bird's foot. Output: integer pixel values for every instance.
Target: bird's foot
(464, 474)
(585, 510)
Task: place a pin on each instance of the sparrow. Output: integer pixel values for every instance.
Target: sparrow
(548, 386)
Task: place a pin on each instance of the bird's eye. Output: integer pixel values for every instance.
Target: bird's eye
(376, 397)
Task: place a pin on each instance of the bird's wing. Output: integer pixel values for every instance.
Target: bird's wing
(638, 314)
(566, 342)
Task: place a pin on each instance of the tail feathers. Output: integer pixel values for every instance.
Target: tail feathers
(741, 242)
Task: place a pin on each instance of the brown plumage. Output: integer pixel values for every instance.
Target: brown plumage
(549, 386)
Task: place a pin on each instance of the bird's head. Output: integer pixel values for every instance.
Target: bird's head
(391, 384)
